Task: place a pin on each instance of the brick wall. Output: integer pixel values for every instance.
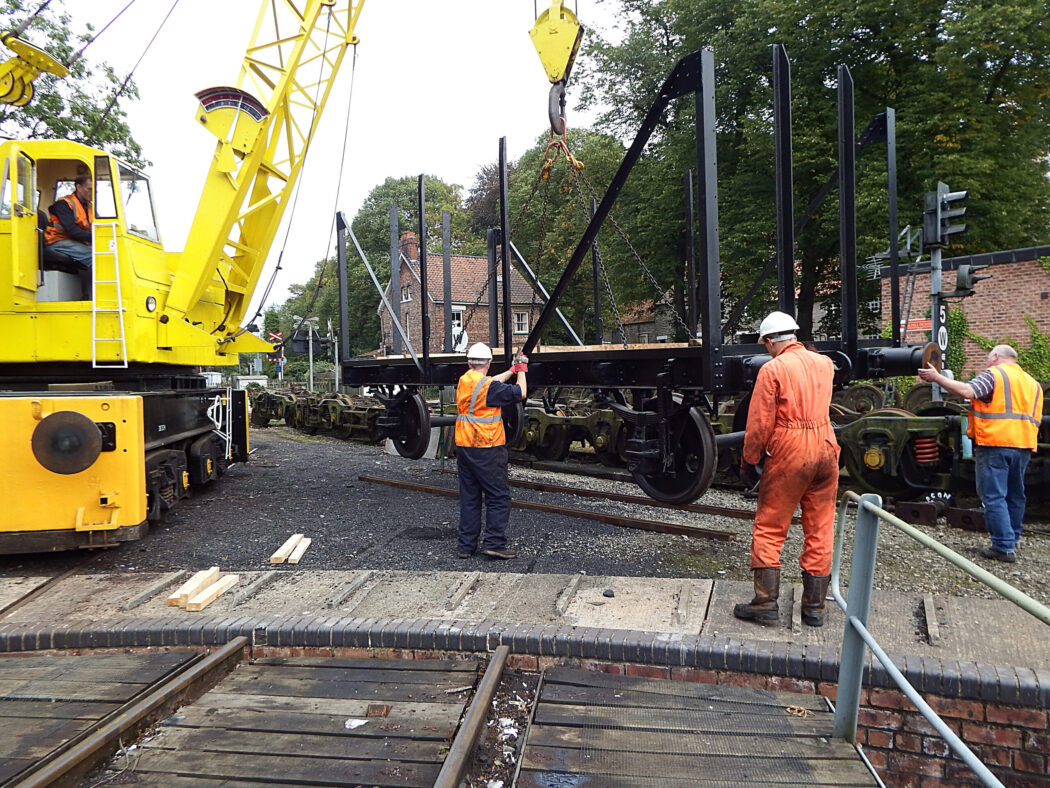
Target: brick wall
(996, 310)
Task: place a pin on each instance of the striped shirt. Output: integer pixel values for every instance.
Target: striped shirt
(983, 385)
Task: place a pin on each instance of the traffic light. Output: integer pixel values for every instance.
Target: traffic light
(937, 219)
(966, 277)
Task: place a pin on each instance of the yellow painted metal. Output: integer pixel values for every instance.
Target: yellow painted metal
(18, 72)
(556, 36)
(201, 294)
(110, 494)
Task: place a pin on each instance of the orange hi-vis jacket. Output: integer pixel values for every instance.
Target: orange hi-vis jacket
(1012, 417)
(55, 231)
(477, 424)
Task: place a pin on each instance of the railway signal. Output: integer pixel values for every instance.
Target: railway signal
(965, 279)
(937, 222)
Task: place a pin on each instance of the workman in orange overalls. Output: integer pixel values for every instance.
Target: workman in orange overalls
(69, 229)
(481, 451)
(789, 434)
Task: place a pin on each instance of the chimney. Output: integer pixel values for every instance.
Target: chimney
(409, 245)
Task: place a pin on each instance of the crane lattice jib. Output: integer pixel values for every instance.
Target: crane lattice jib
(290, 67)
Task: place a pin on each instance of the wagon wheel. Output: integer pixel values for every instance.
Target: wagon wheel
(513, 422)
(556, 447)
(694, 462)
(873, 480)
(414, 429)
(863, 398)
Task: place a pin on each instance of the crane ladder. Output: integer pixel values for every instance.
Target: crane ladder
(107, 307)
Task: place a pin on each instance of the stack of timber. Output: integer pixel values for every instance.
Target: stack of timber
(202, 589)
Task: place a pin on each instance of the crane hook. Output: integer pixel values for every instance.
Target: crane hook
(556, 107)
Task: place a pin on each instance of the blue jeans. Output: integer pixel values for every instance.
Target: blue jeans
(483, 477)
(1000, 483)
(81, 253)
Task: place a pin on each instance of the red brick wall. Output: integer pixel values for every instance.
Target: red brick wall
(995, 311)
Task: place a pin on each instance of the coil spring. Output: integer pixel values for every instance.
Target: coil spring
(926, 451)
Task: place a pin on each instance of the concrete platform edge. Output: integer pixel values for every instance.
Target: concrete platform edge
(1019, 686)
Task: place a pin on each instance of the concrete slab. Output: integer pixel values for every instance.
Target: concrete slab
(14, 588)
(991, 631)
(84, 598)
(407, 595)
(641, 603)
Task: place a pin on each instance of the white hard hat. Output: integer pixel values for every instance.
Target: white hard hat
(777, 323)
(479, 351)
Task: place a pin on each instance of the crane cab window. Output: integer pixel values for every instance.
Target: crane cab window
(139, 218)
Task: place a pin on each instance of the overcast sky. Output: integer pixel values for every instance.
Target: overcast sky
(437, 83)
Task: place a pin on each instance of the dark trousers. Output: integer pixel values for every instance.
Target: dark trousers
(483, 480)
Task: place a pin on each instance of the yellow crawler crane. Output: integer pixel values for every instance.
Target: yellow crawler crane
(104, 421)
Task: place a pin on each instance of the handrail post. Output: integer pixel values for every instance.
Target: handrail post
(858, 606)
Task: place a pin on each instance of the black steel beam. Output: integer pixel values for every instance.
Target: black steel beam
(344, 313)
(894, 230)
(847, 211)
(446, 285)
(504, 231)
(710, 298)
(784, 183)
(685, 78)
(492, 242)
(424, 299)
(395, 278)
(690, 258)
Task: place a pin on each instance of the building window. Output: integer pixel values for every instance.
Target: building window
(406, 293)
(521, 322)
(457, 317)
(643, 337)
(406, 323)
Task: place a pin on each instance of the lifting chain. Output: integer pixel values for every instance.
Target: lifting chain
(555, 148)
(637, 257)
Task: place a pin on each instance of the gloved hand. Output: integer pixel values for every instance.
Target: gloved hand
(519, 368)
(750, 475)
(521, 363)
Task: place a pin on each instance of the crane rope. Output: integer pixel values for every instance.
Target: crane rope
(127, 79)
(295, 200)
(94, 38)
(17, 32)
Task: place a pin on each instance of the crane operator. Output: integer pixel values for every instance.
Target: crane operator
(69, 228)
(481, 451)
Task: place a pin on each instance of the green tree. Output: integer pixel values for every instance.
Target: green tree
(74, 107)
(967, 81)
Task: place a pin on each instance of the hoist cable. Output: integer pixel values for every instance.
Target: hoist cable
(17, 32)
(92, 40)
(127, 79)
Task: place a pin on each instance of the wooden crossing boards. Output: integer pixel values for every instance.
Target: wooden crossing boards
(47, 701)
(627, 732)
(317, 721)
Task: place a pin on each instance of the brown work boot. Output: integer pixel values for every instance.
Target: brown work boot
(763, 608)
(814, 590)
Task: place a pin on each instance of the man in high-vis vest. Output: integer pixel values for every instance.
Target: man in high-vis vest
(69, 228)
(481, 452)
(789, 433)
(1006, 410)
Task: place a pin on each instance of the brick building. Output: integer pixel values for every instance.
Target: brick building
(469, 275)
(643, 323)
(1019, 289)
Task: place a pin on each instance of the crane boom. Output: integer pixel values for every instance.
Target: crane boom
(290, 67)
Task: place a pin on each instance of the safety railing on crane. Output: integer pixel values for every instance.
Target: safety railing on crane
(856, 636)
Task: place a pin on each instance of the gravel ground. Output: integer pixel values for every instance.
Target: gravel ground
(297, 483)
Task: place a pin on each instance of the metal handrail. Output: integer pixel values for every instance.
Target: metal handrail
(855, 635)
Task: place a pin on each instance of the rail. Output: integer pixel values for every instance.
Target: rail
(856, 636)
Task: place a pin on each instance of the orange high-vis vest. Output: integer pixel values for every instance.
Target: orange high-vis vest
(1012, 417)
(55, 231)
(477, 424)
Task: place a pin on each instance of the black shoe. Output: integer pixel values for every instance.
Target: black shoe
(464, 554)
(502, 552)
(997, 555)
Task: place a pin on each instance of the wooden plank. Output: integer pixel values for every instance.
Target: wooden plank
(674, 719)
(621, 698)
(9, 767)
(545, 779)
(211, 593)
(285, 550)
(419, 721)
(932, 627)
(342, 663)
(300, 549)
(378, 692)
(281, 770)
(34, 738)
(586, 678)
(743, 767)
(459, 594)
(215, 702)
(64, 711)
(49, 690)
(685, 743)
(299, 744)
(193, 586)
(179, 781)
(169, 658)
(430, 678)
(117, 675)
